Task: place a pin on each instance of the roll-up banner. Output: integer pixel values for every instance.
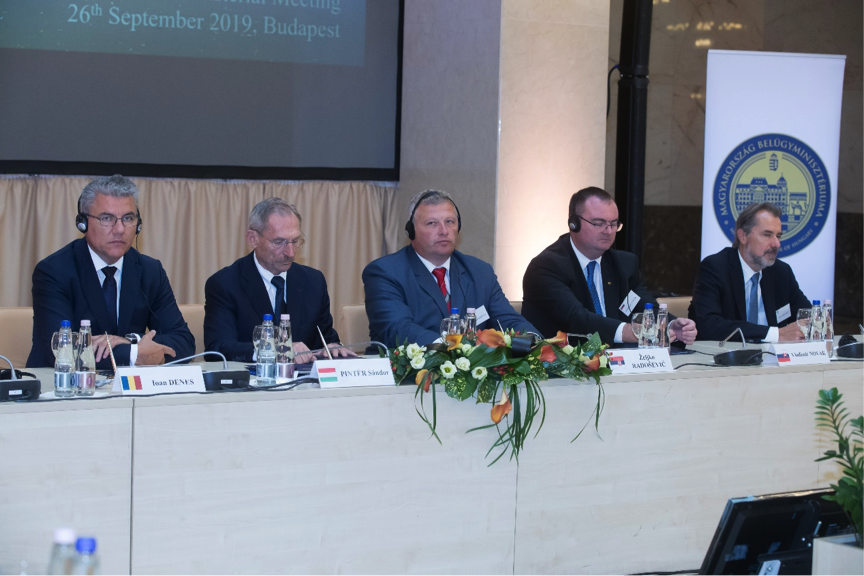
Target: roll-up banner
(772, 134)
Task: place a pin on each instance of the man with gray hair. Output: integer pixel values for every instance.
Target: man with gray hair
(268, 281)
(409, 292)
(100, 277)
(746, 286)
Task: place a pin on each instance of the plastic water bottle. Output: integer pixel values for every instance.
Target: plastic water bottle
(63, 554)
(817, 322)
(64, 365)
(828, 316)
(87, 561)
(649, 328)
(662, 323)
(470, 322)
(455, 322)
(85, 375)
(266, 368)
(284, 348)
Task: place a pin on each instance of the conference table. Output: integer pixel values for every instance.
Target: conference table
(349, 480)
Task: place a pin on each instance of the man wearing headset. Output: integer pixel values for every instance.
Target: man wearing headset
(100, 277)
(409, 292)
(581, 285)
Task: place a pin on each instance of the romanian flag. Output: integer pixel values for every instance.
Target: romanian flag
(783, 357)
(131, 382)
(616, 360)
(327, 375)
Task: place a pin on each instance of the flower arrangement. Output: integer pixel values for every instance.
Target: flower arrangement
(491, 366)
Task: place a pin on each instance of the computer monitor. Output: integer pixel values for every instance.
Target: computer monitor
(775, 528)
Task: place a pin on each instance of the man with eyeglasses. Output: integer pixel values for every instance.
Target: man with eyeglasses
(581, 285)
(268, 281)
(100, 277)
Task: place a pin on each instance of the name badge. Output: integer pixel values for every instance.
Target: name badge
(798, 354)
(134, 380)
(481, 314)
(629, 303)
(784, 313)
(639, 360)
(353, 372)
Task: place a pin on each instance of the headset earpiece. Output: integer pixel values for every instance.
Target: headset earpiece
(575, 225)
(80, 219)
(140, 223)
(409, 226)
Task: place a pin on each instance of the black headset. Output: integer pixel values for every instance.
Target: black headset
(409, 227)
(573, 221)
(82, 224)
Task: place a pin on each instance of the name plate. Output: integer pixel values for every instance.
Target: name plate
(639, 360)
(353, 372)
(134, 380)
(799, 354)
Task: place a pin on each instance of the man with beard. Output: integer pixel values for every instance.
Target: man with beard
(268, 281)
(746, 286)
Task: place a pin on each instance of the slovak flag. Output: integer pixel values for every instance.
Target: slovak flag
(616, 360)
(783, 357)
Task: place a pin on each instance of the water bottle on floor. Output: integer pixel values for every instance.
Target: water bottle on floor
(87, 562)
(63, 554)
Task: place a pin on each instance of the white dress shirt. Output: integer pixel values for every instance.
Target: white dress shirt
(266, 277)
(446, 265)
(598, 284)
(98, 263)
(773, 332)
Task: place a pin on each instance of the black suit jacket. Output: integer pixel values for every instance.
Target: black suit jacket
(718, 297)
(556, 296)
(235, 301)
(66, 287)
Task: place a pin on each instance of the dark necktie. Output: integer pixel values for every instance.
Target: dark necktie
(593, 289)
(439, 275)
(109, 290)
(279, 309)
(753, 305)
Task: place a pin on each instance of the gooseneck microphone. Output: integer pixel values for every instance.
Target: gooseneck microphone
(16, 388)
(743, 357)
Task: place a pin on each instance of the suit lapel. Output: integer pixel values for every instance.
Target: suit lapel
(90, 286)
(737, 275)
(129, 288)
(427, 281)
(766, 284)
(253, 285)
(583, 294)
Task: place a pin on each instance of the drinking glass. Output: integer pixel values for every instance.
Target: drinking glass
(636, 325)
(445, 328)
(256, 336)
(803, 321)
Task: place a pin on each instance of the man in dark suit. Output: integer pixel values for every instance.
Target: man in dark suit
(746, 286)
(409, 292)
(103, 279)
(268, 281)
(580, 283)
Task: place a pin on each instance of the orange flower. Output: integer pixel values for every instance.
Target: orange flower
(502, 408)
(592, 364)
(453, 341)
(559, 337)
(424, 378)
(491, 338)
(547, 354)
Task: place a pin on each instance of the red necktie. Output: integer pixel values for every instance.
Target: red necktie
(439, 275)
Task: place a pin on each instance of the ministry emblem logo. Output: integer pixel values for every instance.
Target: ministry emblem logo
(782, 170)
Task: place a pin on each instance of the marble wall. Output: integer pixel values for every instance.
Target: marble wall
(553, 58)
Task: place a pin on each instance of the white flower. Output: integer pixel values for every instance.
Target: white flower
(448, 370)
(466, 348)
(507, 339)
(479, 373)
(567, 349)
(413, 350)
(418, 361)
(463, 364)
(401, 348)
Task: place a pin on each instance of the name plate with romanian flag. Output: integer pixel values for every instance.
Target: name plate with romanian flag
(799, 353)
(134, 380)
(353, 372)
(639, 360)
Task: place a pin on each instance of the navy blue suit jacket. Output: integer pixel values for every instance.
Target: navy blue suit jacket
(403, 299)
(236, 301)
(718, 305)
(66, 287)
(556, 295)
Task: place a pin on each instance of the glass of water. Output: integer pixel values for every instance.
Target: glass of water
(803, 321)
(636, 326)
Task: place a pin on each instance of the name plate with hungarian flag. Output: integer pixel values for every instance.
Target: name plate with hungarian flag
(799, 353)
(352, 372)
(639, 360)
(134, 380)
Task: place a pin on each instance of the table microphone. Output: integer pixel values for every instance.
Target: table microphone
(744, 357)
(224, 379)
(17, 388)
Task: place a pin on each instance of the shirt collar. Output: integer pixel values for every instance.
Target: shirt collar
(266, 274)
(583, 260)
(429, 266)
(745, 268)
(99, 263)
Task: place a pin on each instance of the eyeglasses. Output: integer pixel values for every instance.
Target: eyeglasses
(109, 220)
(280, 243)
(616, 225)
